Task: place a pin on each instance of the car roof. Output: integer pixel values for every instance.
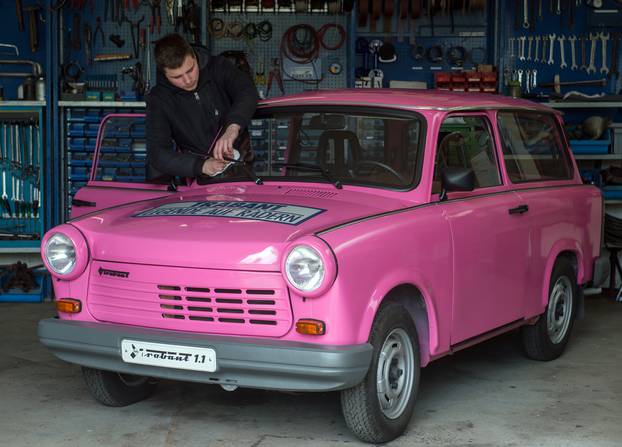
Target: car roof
(406, 99)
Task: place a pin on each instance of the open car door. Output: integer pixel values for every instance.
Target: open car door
(118, 171)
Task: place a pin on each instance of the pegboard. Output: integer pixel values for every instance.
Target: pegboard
(547, 23)
(110, 71)
(260, 52)
(469, 28)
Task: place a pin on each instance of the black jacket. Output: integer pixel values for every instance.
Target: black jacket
(191, 120)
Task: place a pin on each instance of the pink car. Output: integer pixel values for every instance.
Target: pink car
(374, 232)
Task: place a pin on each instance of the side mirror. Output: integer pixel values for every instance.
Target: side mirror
(456, 179)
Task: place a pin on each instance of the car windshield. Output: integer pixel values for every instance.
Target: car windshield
(380, 149)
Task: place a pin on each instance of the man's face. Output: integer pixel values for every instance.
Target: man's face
(186, 76)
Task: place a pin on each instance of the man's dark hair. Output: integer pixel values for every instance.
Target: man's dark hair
(170, 51)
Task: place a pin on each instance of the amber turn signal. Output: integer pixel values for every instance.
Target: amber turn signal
(309, 326)
(68, 305)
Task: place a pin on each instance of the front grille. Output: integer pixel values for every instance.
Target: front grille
(211, 306)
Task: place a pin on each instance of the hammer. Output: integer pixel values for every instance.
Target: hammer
(556, 84)
(32, 27)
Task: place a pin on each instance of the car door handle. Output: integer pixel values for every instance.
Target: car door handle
(78, 202)
(520, 209)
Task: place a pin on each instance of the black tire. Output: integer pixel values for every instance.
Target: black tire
(361, 405)
(115, 389)
(547, 339)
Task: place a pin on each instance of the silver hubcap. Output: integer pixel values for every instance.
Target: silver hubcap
(560, 309)
(395, 374)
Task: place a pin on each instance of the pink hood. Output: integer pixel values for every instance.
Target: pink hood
(243, 228)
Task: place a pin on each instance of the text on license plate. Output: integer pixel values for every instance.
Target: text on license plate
(168, 356)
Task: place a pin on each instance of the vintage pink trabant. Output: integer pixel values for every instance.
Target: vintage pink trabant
(373, 232)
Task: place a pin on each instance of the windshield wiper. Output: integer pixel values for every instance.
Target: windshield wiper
(325, 172)
(250, 174)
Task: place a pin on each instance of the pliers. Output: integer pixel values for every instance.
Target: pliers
(275, 73)
(99, 30)
(156, 15)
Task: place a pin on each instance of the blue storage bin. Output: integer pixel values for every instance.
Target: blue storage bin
(612, 192)
(13, 295)
(601, 146)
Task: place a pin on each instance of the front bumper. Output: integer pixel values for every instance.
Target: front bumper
(245, 362)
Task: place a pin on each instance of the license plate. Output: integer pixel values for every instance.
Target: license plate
(168, 356)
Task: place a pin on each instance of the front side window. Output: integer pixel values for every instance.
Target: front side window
(466, 142)
(533, 147)
(359, 148)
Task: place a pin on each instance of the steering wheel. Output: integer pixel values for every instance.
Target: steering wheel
(378, 164)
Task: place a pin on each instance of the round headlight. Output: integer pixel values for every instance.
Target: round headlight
(304, 268)
(60, 254)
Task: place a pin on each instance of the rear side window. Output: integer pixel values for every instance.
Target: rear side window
(533, 147)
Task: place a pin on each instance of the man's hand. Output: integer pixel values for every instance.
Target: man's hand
(211, 166)
(224, 146)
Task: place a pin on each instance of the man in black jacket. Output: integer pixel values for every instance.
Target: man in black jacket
(196, 95)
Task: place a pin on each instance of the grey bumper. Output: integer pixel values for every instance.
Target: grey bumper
(245, 362)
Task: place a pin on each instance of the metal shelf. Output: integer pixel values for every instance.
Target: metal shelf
(598, 157)
(23, 103)
(584, 105)
(102, 104)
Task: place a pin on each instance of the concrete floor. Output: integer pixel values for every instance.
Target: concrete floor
(489, 395)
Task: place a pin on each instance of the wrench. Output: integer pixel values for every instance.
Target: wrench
(558, 10)
(603, 44)
(561, 39)
(551, 48)
(534, 80)
(592, 68)
(512, 40)
(530, 41)
(528, 81)
(582, 66)
(520, 77)
(522, 47)
(525, 14)
(573, 39)
(537, 49)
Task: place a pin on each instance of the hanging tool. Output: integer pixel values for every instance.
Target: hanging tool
(156, 16)
(19, 14)
(136, 73)
(556, 84)
(170, 11)
(614, 56)
(76, 42)
(134, 31)
(33, 39)
(603, 44)
(275, 73)
(6, 205)
(99, 30)
(88, 43)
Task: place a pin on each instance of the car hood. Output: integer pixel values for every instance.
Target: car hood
(244, 228)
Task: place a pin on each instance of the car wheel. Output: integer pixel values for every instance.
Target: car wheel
(379, 408)
(115, 389)
(547, 339)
